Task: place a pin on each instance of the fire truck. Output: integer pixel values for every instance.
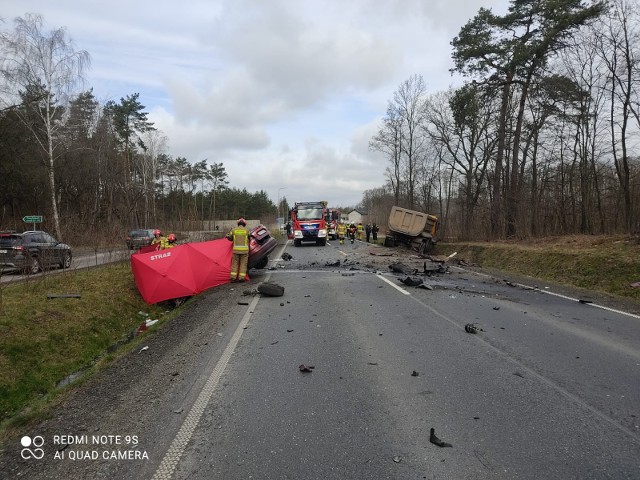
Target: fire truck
(332, 217)
(308, 222)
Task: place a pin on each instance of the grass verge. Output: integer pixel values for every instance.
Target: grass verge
(608, 266)
(43, 341)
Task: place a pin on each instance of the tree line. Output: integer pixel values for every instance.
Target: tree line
(90, 167)
(541, 139)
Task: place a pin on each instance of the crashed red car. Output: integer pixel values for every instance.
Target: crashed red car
(261, 244)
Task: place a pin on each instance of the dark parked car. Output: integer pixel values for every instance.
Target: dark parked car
(261, 244)
(140, 237)
(32, 251)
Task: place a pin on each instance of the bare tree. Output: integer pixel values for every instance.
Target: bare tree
(49, 64)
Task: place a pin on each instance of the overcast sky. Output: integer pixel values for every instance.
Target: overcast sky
(286, 94)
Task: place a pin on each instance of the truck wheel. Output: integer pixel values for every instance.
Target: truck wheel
(389, 241)
(297, 243)
(425, 246)
(271, 289)
(322, 242)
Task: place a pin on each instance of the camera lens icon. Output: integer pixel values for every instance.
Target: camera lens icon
(36, 442)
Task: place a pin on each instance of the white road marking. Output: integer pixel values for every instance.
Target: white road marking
(172, 457)
(402, 290)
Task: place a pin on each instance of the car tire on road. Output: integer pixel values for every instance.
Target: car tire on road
(271, 289)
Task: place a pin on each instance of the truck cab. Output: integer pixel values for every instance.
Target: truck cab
(308, 223)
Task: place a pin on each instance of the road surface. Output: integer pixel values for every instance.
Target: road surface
(345, 375)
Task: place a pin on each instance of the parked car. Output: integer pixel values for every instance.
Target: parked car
(140, 237)
(32, 251)
(261, 244)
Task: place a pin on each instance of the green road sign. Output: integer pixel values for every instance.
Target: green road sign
(32, 219)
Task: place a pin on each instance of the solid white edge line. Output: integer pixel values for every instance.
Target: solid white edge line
(174, 453)
(402, 290)
(538, 289)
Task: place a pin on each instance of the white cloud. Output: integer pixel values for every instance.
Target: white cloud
(286, 94)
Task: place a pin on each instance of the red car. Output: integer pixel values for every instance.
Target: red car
(261, 244)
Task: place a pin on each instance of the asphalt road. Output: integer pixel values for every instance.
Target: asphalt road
(547, 387)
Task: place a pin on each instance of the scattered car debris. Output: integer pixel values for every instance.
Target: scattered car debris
(306, 368)
(415, 374)
(397, 459)
(286, 256)
(496, 308)
(63, 295)
(271, 289)
(243, 303)
(179, 410)
(332, 264)
(436, 441)
(144, 349)
(425, 286)
(472, 328)
(401, 268)
(585, 300)
(412, 282)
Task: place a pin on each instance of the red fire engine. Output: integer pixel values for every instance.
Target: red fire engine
(308, 222)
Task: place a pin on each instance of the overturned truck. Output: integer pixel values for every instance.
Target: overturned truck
(412, 228)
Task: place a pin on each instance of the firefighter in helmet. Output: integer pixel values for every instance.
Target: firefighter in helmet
(342, 232)
(240, 237)
(158, 240)
(171, 241)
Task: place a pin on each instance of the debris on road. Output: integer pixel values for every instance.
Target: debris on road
(271, 289)
(306, 368)
(412, 282)
(414, 374)
(401, 268)
(286, 256)
(332, 264)
(143, 349)
(585, 300)
(436, 441)
(397, 459)
(472, 328)
(243, 303)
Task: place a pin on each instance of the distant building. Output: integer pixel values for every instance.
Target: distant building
(356, 216)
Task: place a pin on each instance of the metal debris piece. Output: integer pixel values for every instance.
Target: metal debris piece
(397, 459)
(286, 256)
(306, 368)
(436, 441)
(414, 374)
(412, 282)
(143, 349)
(472, 328)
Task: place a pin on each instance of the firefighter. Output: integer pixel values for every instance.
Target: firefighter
(367, 231)
(240, 238)
(158, 240)
(360, 229)
(352, 232)
(341, 231)
(171, 241)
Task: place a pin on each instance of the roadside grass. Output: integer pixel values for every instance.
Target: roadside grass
(603, 264)
(44, 341)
